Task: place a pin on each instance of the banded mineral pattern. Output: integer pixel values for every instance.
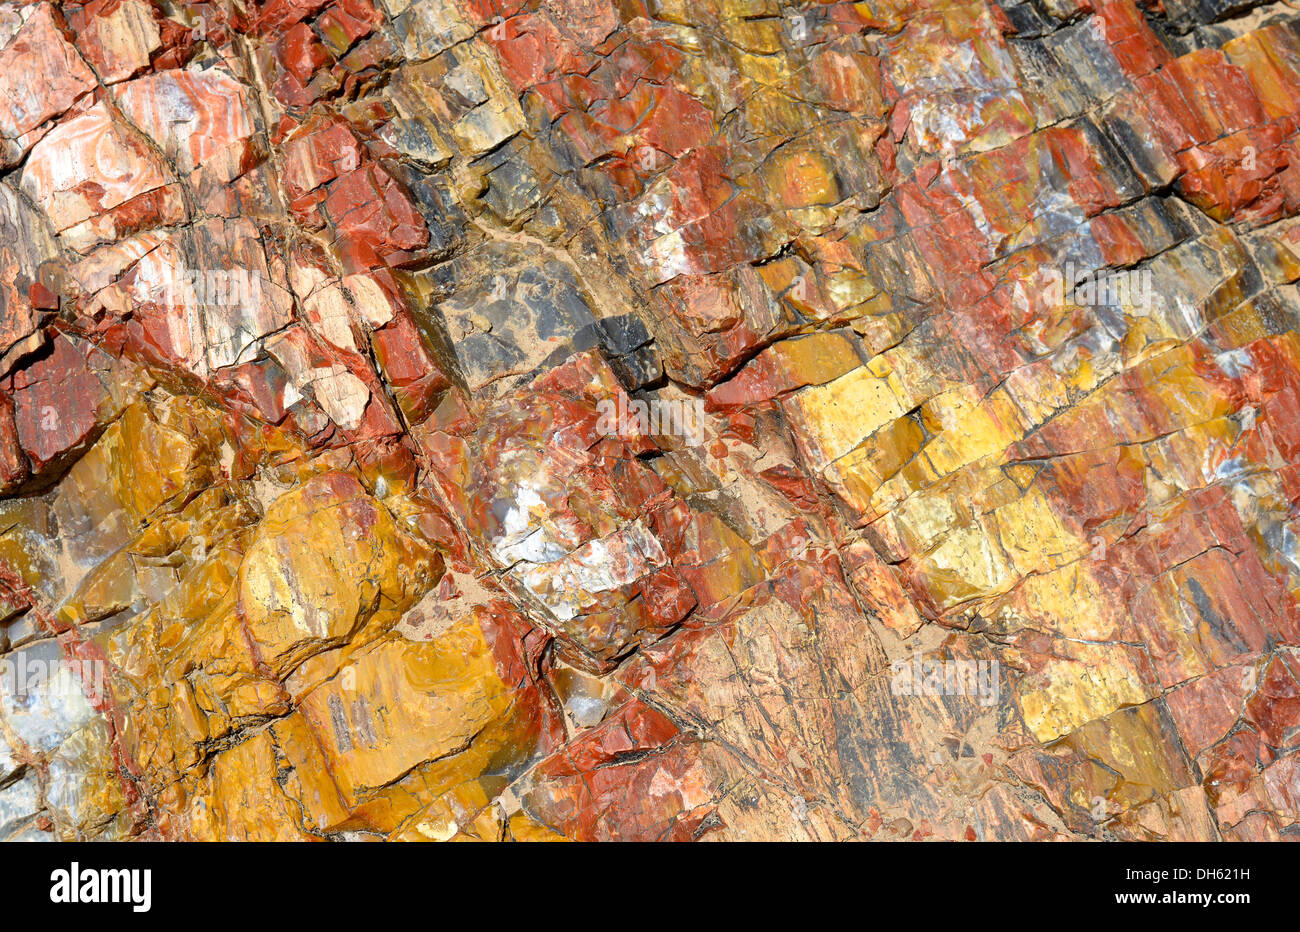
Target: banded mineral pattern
(649, 419)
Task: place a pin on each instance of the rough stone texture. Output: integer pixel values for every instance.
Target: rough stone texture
(663, 419)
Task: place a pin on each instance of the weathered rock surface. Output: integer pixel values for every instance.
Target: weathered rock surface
(469, 419)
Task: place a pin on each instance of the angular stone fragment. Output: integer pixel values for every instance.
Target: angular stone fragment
(41, 77)
(97, 181)
(351, 562)
(118, 39)
(198, 118)
(57, 402)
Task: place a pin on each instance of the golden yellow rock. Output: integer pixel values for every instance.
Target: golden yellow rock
(830, 420)
(399, 740)
(326, 560)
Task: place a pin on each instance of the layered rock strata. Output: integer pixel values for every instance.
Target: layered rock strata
(652, 419)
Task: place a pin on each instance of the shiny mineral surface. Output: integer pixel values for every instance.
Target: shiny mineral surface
(649, 419)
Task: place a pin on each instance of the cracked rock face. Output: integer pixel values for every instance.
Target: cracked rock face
(654, 419)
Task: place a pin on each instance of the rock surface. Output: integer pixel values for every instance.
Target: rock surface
(655, 420)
